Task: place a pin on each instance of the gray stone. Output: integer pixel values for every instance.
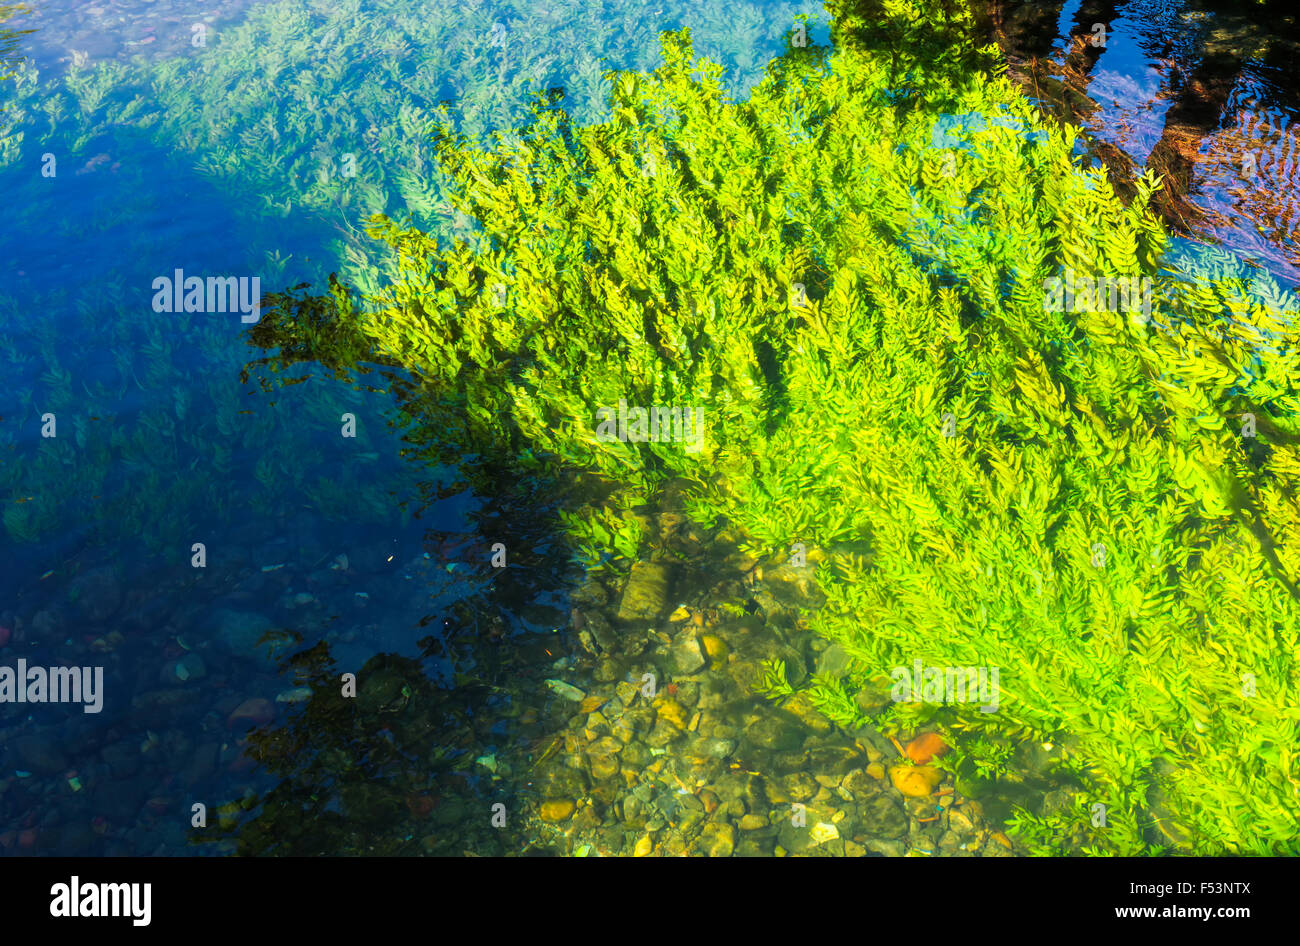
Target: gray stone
(39, 754)
(687, 655)
(801, 708)
(607, 670)
(203, 763)
(689, 819)
(773, 733)
(796, 840)
(606, 637)
(834, 760)
(239, 633)
(885, 847)
(949, 843)
(185, 670)
(96, 595)
(122, 759)
(800, 786)
(871, 700)
(714, 748)
(646, 593)
(883, 816)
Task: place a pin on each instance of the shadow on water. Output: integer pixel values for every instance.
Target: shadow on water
(431, 742)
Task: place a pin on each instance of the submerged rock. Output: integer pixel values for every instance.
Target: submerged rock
(565, 690)
(834, 660)
(257, 711)
(39, 754)
(915, 781)
(717, 839)
(883, 816)
(187, 668)
(239, 633)
(96, 595)
(556, 809)
(687, 656)
(646, 595)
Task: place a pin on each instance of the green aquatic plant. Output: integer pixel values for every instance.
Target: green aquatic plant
(830, 696)
(599, 530)
(1065, 494)
(773, 683)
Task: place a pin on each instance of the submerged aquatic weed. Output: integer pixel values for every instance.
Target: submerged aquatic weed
(1063, 495)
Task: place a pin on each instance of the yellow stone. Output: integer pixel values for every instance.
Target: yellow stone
(822, 832)
(643, 847)
(592, 703)
(714, 646)
(915, 781)
(681, 614)
(556, 809)
(876, 770)
(752, 822)
(673, 712)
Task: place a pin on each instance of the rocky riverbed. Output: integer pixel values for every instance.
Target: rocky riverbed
(666, 748)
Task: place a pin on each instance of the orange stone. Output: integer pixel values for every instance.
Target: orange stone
(915, 781)
(925, 747)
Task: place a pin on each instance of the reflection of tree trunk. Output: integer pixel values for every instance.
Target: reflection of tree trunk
(1025, 30)
(1027, 33)
(1082, 57)
(1195, 114)
(1089, 15)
